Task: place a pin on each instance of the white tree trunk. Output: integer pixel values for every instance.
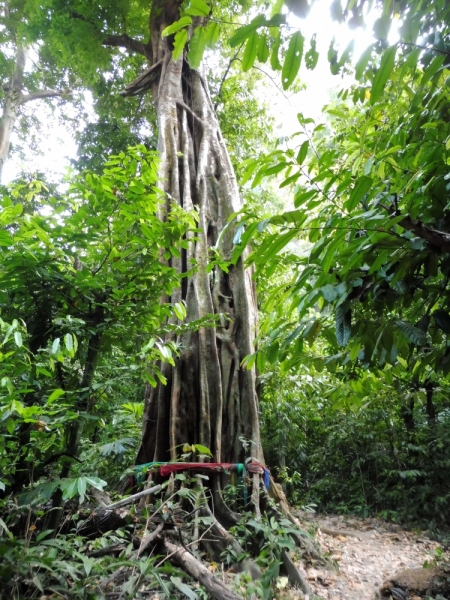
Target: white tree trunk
(11, 106)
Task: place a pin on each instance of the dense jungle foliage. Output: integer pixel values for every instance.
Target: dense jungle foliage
(346, 228)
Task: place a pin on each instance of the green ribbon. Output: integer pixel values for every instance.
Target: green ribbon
(140, 470)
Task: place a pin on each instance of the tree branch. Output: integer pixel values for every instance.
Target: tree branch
(437, 238)
(144, 82)
(58, 455)
(440, 239)
(124, 41)
(225, 75)
(135, 497)
(433, 48)
(43, 94)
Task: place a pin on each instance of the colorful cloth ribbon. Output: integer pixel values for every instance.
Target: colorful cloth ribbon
(252, 466)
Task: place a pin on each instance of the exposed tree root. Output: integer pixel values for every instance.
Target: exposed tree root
(339, 532)
(295, 577)
(214, 538)
(184, 559)
(304, 542)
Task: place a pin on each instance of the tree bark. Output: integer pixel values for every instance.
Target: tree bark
(11, 106)
(209, 399)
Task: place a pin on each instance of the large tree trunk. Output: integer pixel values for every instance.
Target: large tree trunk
(209, 399)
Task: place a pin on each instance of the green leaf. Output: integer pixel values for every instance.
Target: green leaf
(360, 189)
(381, 27)
(55, 346)
(203, 449)
(18, 338)
(383, 74)
(96, 482)
(274, 60)
(212, 34)
(68, 341)
(244, 32)
(302, 152)
(433, 68)
(180, 310)
(412, 334)
(363, 62)
(442, 319)
(343, 324)
(55, 395)
(250, 52)
(69, 488)
(263, 49)
(81, 486)
(198, 8)
(183, 22)
(184, 589)
(179, 43)
(276, 20)
(197, 47)
(6, 239)
(293, 59)
(312, 56)
(329, 292)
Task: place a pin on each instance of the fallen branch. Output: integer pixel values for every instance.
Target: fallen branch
(135, 497)
(109, 550)
(196, 569)
(144, 545)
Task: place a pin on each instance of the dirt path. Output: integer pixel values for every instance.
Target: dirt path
(379, 550)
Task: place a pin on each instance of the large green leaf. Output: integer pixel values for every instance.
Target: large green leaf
(363, 62)
(198, 8)
(180, 24)
(250, 52)
(343, 324)
(302, 153)
(442, 319)
(360, 189)
(197, 47)
(274, 60)
(412, 333)
(383, 74)
(179, 43)
(212, 34)
(263, 49)
(292, 60)
(244, 32)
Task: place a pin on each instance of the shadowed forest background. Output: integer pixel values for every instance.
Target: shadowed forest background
(199, 289)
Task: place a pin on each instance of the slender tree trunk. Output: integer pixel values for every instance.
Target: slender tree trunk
(11, 106)
(209, 399)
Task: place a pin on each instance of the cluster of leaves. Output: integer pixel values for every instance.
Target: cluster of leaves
(360, 446)
(72, 564)
(80, 289)
(372, 200)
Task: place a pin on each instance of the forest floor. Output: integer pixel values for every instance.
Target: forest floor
(365, 552)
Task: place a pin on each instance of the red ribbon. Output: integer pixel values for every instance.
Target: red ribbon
(172, 467)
